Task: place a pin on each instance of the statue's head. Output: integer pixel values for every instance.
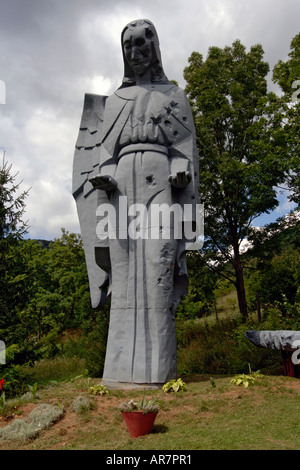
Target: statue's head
(141, 52)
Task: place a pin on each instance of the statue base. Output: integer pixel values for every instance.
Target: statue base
(112, 384)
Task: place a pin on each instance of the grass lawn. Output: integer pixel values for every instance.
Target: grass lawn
(210, 415)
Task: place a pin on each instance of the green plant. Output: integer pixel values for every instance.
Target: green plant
(143, 405)
(246, 379)
(33, 388)
(2, 403)
(98, 390)
(174, 386)
(212, 382)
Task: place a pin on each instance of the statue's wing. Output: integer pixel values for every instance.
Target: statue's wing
(86, 165)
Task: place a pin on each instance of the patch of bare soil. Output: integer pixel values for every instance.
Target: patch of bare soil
(67, 428)
(21, 412)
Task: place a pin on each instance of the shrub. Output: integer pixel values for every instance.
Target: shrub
(98, 390)
(81, 405)
(221, 349)
(96, 347)
(42, 417)
(174, 386)
(14, 375)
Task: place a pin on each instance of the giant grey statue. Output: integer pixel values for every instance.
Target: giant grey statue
(137, 146)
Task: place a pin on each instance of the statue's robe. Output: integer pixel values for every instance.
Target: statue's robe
(147, 134)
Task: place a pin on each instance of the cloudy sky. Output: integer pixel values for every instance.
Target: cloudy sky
(52, 52)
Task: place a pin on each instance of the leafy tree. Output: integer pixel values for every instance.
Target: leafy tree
(201, 294)
(240, 141)
(12, 229)
(60, 293)
(276, 281)
(50, 292)
(275, 262)
(287, 75)
(12, 206)
(20, 286)
(271, 240)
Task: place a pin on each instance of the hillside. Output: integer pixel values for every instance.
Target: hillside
(213, 414)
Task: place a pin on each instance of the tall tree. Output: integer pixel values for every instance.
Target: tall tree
(59, 292)
(274, 256)
(239, 137)
(12, 204)
(12, 229)
(287, 76)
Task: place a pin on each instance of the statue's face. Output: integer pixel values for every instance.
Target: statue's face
(137, 50)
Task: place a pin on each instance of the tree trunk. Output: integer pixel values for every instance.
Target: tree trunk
(240, 286)
(216, 311)
(258, 307)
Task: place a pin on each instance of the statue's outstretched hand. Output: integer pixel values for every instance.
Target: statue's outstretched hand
(181, 179)
(104, 182)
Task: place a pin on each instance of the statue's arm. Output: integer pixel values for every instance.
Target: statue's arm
(180, 179)
(183, 151)
(104, 182)
(114, 118)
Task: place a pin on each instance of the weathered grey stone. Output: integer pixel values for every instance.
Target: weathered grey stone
(276, 339)
(137, 146)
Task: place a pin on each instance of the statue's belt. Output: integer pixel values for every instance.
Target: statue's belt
(143, 147)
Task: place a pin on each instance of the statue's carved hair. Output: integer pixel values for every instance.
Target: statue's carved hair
(157, 72)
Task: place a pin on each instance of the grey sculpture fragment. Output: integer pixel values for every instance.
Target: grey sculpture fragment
(85, 165)
(136, 149)
(286, 340)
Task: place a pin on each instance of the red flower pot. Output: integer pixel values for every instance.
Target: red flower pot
(138, 423)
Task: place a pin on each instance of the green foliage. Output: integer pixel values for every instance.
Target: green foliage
(15, 380)
(14, 375)
(174, 385)
(222, 348)
(33, 389)
(287, 75)
(12, 228)
(61, 282)
(241, 148)
(2, 403)
(212, 382)
(277, 280)
(50, 292)
(246, 379)
(54, 370)
(202, 282)
(96, 347)
(98, 390)
(12, 206)
(144, 405)
(274, 265)
(283, 316)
